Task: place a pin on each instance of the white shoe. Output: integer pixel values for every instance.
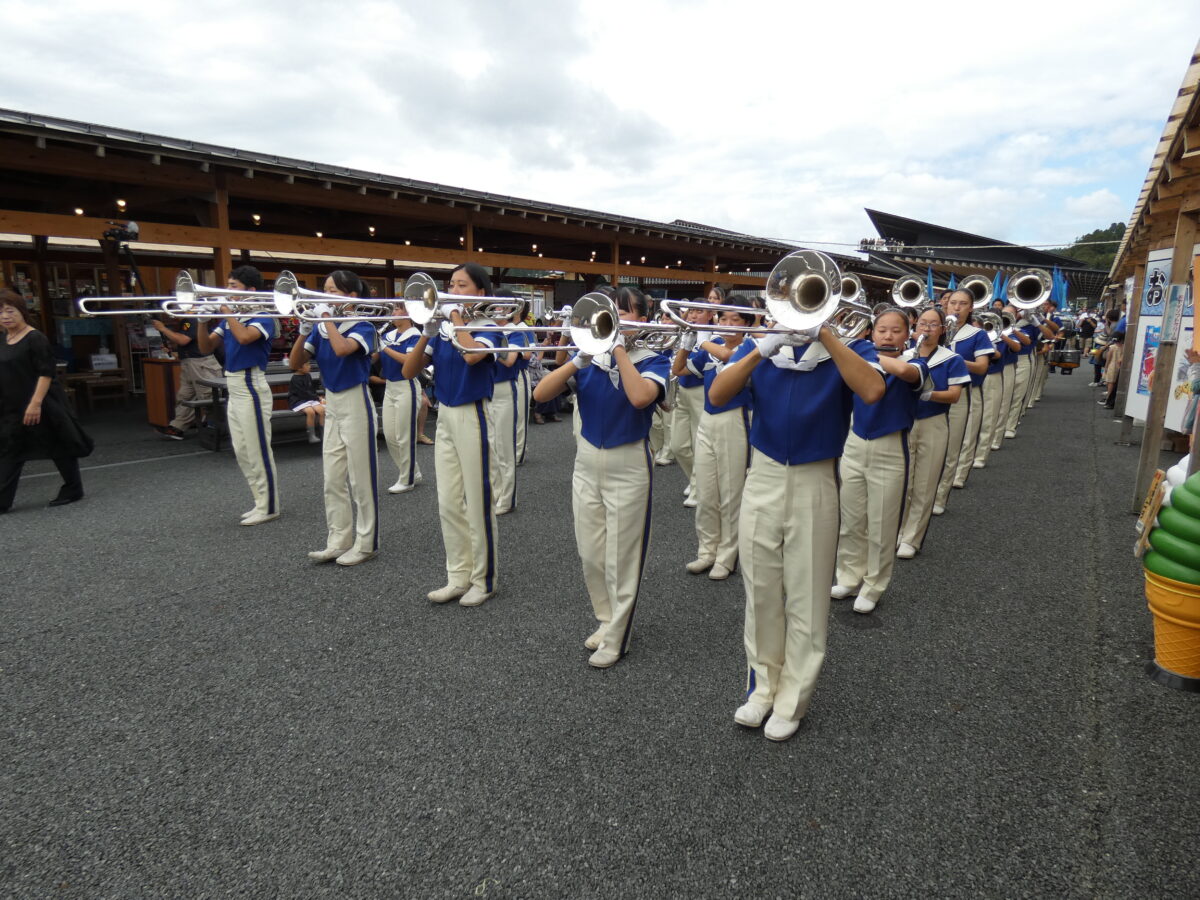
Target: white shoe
(838, 592)
(779, 728)
(751, 713)
(401, 488)
(978, 465)
(1010, 434)
(329, 554)
(687, 491)
(1093, 384)
(995, 447)
(353, 557)
(604, 657)
(864, 604)
(958, 485)
(664, 461)
(718, 572)
(594, 639)
(447, 593)
(938, 510)
(503, 510)
(690, 502)
(696, 566)
(259, 518)
(475, 597)
(906, 551)
(248, 513)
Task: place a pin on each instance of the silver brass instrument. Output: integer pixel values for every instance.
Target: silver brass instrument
(980, 289)
(852, 289)
(96, 306)
(991, 323)
(909, 291)
(424, 302)
(199, 301)
(1030, 288)
(317, 306)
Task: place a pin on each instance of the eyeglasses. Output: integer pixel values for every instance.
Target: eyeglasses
(928, 326)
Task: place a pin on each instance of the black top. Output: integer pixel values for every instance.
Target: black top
(190, 350)
(301, 389)
(58, 435)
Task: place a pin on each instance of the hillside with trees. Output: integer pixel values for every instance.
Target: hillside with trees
(1097, 256)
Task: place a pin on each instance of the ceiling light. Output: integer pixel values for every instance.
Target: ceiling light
(371, 229)
(320, 234)
(78, 211)
(257, 218)
(408, 243)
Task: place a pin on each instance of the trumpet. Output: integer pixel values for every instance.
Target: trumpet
(804, 291)
(980, 289)
(424, 302)
(909, 291)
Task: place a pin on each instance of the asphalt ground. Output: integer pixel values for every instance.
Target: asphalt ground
(192, 708)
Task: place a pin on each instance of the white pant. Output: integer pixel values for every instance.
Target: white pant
(659, 433)
(787, 537)
(722, 452)
(976, 412)
(689, 405)
(350, 460)
(1020, 391)
(927, 458)
(504, 444)
(1043, 370)
(957, 426)
(401, 403)
(874, 482)
(522, 414)
(461, 458)
(611, 496)
(249, 416)
(1010, 383)
(993, 409)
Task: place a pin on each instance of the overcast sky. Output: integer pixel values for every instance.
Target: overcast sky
(1030, 122)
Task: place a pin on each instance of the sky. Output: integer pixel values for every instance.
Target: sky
(1028, 122)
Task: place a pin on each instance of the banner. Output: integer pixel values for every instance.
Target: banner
(1144, 343)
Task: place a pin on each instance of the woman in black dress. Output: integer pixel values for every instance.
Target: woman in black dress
(35, 422)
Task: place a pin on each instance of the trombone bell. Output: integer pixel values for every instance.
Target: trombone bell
(980, 289)
(1030, 288)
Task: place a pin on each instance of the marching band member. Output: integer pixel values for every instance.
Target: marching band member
(802, 387)
(689, 405)
(1026, 334)
(993, 396)
(247, 344)
(931, 429)
(974, 346)
(721, 453)
(1011, 356)
(520, 334)
(611, 490)
(463, 385)
(664, 415)
(874, 469)
(506, 398)
(1049, 329)
(349, 455)
(401, 402)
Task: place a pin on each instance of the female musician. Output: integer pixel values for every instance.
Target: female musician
(995, 387)
(1027, 334)
(689, 404)
(349, 456)
(35, 421)
(520, 334)
(614, 472)
(788, 528)
(976, 349)
(247, 345)
(507, 397)
(874, 469)
(721, 454)
(927, 442)
(401, 402)
(463, 385)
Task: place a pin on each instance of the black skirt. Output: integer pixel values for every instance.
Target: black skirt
(59, 433)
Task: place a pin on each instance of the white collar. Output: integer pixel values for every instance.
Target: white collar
(395, 336)
(939, 356)
(964, 332)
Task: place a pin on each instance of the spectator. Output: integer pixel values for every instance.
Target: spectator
(303, 397)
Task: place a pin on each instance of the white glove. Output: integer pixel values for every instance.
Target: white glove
(581, 360)
(430, 330)
(306, 328)
(770, 344)
(687, 341)
(804, 336)
(927, 394)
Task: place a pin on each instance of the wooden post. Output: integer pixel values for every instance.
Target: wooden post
(390, 275)
(1164, 365)
(222, 253)
(1133, 315)
(112, 265)
(40, 242)
(616, 263)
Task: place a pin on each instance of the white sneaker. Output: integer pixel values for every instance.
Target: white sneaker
(938, 510)
(751, 713)
(503, 510)
(329, 554)
(864, 605)
(248, 513)
(718, 572)
(838, 592)
(978, 465)
(779, 728)
(475, 597)
(696, 566)
(1010, 434)
(447, 593)
(258, 518)
(958, 485)
(906, 551)
(604, 657)
(995, 447)
(690, 502)
(353, 557)
(664, 460)
(593, 640)
(401, 488)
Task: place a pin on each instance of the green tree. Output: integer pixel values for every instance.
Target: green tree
(1096, 256)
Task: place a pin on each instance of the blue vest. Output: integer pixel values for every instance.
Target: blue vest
(238, 356)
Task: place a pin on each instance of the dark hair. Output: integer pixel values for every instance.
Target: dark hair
(518, 314)
(720, 292)
(1112, 316)
(478, 274)
(743, 300)
(1119, 337)
(349, 283)
(965, 293)
(17, 302)
(941, 321)
(249, 276)
(891, 310)
(631, 300)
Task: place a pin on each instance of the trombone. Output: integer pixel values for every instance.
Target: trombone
(1029, 289)
(804, 290)
(317, 306)
(909, 291)
(424, 302)
(980, 289)
(199, 301)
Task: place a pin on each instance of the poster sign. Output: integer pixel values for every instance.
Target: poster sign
(1144, 342)
(1154, 290)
